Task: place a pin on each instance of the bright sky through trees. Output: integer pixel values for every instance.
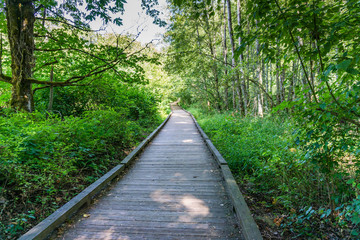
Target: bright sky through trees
(135, 20)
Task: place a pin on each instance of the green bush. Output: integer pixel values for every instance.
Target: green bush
(46, 160)
(266, 154)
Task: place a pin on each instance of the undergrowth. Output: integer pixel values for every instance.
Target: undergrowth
(291, 194)
(46, 160)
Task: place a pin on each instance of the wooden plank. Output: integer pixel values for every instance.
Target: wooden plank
(202, 230)
(148, 234)
(142, 236)
(171, 184)
(117, 223)
(248, 225)
(158, 218)
(215, 152)
(213, 214)
(203, 134)
(249, 228)
(129, 158)
(48, 225)
(168, 189)
(164, 200)
(175, 189)
(139, 210)
(45, 227)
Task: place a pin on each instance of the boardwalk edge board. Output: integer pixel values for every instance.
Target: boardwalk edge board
(48, 225)
(249, 228)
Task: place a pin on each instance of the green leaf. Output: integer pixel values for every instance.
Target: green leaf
(352, 71)
(350, 181)
(343, 65)
(323, 106)
(328, 70)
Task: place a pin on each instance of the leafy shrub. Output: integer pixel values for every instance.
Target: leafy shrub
(267, 153)
(45, 161)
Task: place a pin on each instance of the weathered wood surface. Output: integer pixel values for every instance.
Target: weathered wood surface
(48, 225)
(174, 191)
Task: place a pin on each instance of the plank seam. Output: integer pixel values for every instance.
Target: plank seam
(48, 225)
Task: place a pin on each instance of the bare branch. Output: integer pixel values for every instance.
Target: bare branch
(47, 64)
(73, 49)
(135, 38)
(139, 51)
(39, 8)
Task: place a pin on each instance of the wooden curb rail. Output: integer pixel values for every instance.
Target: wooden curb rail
(249, 228)
(48, 225)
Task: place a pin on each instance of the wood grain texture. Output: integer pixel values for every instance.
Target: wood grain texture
(47, 226)
(249, 228)
(174, 190)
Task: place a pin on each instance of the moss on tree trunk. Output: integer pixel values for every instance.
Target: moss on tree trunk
(20, 17)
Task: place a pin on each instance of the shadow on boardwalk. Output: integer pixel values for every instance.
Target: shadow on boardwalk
(174, 191)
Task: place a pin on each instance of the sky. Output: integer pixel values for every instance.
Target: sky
(135, 20)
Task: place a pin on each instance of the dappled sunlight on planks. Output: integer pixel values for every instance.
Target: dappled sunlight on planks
(195, 206)
(190, 205)
(174, 191)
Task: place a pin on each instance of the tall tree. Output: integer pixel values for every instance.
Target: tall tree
(233, 60)
(25, 20)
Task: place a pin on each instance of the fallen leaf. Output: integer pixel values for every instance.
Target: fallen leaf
(278, 221)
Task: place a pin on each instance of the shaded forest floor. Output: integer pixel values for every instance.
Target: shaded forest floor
(271, 219)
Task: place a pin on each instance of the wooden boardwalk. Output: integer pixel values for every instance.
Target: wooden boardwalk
(173, 191)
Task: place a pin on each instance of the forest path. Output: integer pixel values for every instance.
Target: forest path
(174, 191)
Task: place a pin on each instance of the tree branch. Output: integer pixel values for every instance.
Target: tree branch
(46, 64)
(68, 24)
(340, 117)
(262, 88)
(75, 79)
(317, 38)
(4, 78)
(72, 85)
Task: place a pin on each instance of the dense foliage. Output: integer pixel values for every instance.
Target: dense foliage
(92, 98)
(294, 58)
(46, 160)
(275, 83)
(283, 189)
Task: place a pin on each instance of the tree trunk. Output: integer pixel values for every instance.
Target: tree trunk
(20, 16)
(51, 93)
(214, 66)
(231, 35)
(225, 50)
(1, 52)
(260, 94)
(242, 84)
